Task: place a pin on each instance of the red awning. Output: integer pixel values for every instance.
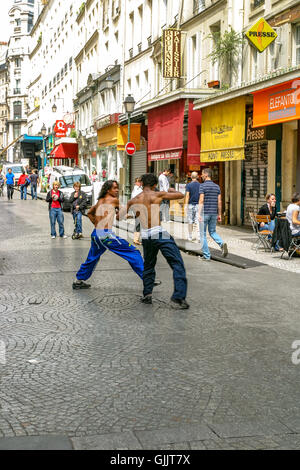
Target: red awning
(165, 131)
(65, 150)
(194, 136)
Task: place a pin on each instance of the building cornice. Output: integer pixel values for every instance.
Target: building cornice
(34, 81)
(248, 88)
(93, 38)
(179, 94)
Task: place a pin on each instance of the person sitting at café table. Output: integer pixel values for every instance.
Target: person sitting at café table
(293, 215)
(268, 209)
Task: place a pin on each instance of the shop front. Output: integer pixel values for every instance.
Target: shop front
(277, 108)
(112, 139)
(223, 150)
(65, 153)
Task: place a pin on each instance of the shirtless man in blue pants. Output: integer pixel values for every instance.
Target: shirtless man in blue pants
(103, 238)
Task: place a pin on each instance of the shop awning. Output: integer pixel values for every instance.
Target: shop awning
(116, 135)
(223, 131)
(165, 131)
(65, 151)
(194, 136)
(31, 139)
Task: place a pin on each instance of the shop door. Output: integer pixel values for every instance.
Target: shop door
(138, 165)
(255, 178)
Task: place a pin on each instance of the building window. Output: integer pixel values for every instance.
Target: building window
(17, 130)
(297, 40)
(17, 110)
(17, 62)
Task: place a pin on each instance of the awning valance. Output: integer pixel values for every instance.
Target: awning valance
(194, 136)
(165, 131)
(31, 139)
(65, 151)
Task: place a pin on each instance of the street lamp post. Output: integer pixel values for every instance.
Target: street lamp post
(129, 104)
(43, 132)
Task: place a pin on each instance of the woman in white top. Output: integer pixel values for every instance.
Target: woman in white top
(293, 215)
(137, 189)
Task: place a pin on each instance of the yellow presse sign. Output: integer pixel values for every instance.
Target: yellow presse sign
(261, 35)
(223, 131)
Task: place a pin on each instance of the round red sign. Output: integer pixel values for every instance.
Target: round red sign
(130, 148)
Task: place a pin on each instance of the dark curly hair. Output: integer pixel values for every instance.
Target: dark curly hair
(149, 179)
(106, 187)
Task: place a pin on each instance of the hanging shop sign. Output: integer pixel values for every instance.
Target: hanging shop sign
(223, 131)
(261, 35)
(171, 53)
(280, 103)
(60, 129)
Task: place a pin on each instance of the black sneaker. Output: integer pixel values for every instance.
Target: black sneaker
(224, 250)
(157, 283)
(179, 304)
(146, 300)
(81, 285)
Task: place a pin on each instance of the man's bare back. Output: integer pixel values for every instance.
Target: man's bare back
(146, 205)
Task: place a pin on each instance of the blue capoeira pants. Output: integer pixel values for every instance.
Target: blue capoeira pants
(103, 240)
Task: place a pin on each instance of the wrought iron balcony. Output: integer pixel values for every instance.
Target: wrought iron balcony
(257, 3)
(17, 91)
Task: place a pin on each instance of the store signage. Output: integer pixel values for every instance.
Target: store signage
(130, 148)
(171, 52)
(106, 121)
(261, 35)
(280, 103)
(170, 155)
(254, 134)
(223, 131)
(60, 129)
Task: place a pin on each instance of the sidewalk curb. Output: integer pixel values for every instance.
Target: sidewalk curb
(195, 248)
(187, 246)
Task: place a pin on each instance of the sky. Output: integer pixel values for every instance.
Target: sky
(4, 20)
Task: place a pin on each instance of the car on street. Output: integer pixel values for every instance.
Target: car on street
(67, 176)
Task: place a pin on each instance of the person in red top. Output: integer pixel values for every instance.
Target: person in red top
(23, 185)
(54, 198)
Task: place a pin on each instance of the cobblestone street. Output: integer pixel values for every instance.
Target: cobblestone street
(97, 370)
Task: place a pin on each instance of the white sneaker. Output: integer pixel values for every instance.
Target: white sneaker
(190, 239)
(53, 236)
(65, 236)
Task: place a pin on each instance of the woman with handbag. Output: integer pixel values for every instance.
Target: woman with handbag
(23, 182)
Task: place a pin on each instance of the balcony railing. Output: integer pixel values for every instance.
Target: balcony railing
(17, 91)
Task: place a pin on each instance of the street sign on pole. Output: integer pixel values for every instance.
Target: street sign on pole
(130, 148)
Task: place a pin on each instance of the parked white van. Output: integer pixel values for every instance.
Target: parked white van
(67, 176)
(17, 169)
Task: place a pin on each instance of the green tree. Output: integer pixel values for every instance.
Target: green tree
(226, 51)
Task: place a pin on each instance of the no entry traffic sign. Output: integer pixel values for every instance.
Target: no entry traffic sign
(130, 148)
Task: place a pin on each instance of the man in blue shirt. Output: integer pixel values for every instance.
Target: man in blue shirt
(192, 201)
(10, 181)
(210, 209)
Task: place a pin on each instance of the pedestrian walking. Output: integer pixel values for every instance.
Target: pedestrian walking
(192, 201)
(137, 189)
(2, 181)
(210, 211)
(34, 181)
(78, 201)
(146, 205)
(23, 182)
(164, 186)
(55, 198)
(10, 181)
(103, 238)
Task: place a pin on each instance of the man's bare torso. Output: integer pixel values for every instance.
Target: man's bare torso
(102, 214)
(146, 207)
